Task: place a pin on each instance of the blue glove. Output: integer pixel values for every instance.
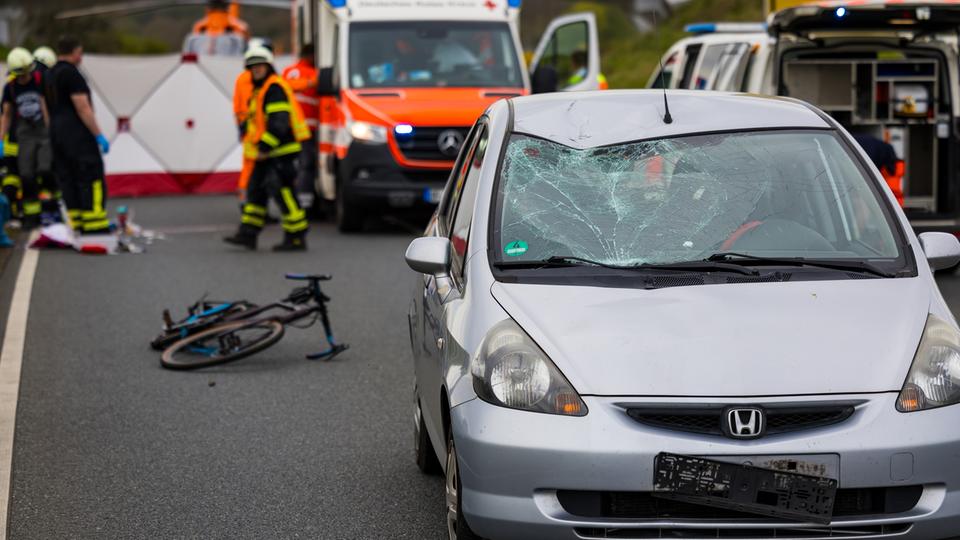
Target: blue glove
(104, 144)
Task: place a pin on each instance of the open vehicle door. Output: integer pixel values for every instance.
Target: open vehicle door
(568, 55)
(886, 71)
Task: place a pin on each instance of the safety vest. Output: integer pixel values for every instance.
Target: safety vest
(301, 132)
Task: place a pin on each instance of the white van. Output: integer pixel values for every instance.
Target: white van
(886, 72)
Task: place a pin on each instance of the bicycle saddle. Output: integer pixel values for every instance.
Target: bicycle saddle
(309, 277)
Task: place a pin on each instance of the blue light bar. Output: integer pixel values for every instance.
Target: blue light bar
(718, 28)
(841, 12)
(337, 3)
(403, 129)
(514, 3)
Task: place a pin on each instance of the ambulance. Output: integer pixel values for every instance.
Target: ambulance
(401, 82)
(886, 70)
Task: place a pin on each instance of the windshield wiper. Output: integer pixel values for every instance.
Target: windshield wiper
(560, 261)
(731, 257)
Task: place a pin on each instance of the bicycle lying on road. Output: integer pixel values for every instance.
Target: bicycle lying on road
(216, 333)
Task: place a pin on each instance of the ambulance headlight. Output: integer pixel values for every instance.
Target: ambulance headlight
(367, 132)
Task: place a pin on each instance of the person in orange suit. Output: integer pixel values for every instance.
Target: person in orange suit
(302, 79)
(243, 89)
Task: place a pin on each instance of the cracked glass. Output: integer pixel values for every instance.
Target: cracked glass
(769, 193)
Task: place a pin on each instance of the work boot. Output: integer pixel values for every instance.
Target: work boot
(292, 242)
(244, 238)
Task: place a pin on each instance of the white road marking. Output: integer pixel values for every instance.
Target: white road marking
(11, 358)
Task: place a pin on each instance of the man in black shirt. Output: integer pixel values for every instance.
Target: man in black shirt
(23, 102)
(77, 141)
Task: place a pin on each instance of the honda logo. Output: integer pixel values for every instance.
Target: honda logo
(449, 142)
(744, 422)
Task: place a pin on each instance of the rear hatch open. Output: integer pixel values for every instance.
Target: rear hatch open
(888, 73)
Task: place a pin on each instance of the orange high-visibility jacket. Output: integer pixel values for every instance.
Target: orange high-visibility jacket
(299, 77)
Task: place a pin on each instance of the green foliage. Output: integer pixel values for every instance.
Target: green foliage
(629, 58)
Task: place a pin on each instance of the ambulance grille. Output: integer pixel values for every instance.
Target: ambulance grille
(424, 144)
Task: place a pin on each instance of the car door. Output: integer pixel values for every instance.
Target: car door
(571, 48)
(438, 291)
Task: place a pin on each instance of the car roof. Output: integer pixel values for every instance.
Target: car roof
(591, 119)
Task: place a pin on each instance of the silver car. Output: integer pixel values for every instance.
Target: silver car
(714, 323)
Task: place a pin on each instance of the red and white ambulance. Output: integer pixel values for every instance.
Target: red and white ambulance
(401, 82)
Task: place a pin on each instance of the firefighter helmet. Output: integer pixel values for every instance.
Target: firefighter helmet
(45, 56)
(257, 55)
(19, 61)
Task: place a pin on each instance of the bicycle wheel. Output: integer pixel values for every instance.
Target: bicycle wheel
(200, 322)
(222, 343)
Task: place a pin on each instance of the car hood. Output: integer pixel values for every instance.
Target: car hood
(425, 106)
(762, 339)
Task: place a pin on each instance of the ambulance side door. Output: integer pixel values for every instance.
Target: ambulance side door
(570, 49)
(327, 50)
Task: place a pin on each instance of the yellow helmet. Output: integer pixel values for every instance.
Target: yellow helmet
(19, 61)
(45, 56)
(257, 54)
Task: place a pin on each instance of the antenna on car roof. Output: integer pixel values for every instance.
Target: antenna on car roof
(667, 117)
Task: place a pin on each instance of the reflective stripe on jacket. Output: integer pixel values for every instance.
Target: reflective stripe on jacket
(299, 77)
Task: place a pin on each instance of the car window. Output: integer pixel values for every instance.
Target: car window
(772, 193)
(433, 54)
(663, 78)
(708, 66)
(730, 68)
(567, 53)
(469, 180)
(451, 192)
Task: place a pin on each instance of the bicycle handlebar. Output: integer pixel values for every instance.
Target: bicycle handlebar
(310, 277)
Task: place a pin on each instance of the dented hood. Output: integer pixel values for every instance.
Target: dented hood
(813, 337)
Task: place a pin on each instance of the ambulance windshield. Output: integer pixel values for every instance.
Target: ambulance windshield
(433, 54)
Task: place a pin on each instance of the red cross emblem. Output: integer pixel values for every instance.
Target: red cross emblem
(490, 4)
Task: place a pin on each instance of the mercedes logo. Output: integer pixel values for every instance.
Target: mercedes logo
(449, 142)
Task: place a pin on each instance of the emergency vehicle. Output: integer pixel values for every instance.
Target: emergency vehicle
(402, 81)
(887, 71)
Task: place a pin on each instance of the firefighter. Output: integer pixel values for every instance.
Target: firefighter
(275, 123)
(23, 100)
(44, 58)
(302, 79)
(77, 141)
(24, 119)
(242, 92)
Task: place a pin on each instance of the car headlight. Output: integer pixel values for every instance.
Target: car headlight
(934, 378)
(510, 370)
(367, 132)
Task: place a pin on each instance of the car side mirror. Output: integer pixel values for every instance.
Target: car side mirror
(942, 250)
(326, 85)
(429, 255)
(544, 80)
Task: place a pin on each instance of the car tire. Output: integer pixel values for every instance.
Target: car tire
(427, 460)
(348, 216)
(457, 528)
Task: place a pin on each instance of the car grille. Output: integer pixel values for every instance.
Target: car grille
(423, 143)
(851, 502)
(707, 420)
(873, 531)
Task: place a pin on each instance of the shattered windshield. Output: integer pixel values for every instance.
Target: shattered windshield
(771, 194)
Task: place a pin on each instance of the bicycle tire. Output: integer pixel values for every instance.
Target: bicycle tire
(167, 338)
(178, 357)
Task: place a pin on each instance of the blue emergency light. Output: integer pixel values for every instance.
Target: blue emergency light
(514, 3)
(337, 3)
(841, 12)
(403, 131)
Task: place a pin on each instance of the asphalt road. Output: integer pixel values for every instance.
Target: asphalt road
(110, 445)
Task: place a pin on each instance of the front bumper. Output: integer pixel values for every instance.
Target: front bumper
(374, 181)
(512, 463)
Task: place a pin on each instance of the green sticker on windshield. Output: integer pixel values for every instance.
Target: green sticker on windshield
(516, 248)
